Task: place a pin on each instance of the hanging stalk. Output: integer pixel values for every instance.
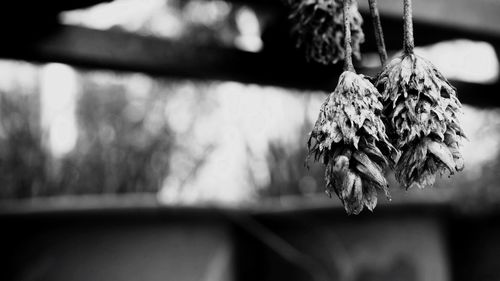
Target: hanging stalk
(348, 66)
(408, 44)
(379, 35)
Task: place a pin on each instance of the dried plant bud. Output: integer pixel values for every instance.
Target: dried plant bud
(349, 139)
(317, 25)
(421, 109)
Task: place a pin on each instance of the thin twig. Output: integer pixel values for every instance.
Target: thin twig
(377, 28)
(409, 43)
(347, 37)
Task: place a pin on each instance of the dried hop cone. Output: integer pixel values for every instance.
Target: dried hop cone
(421, 109)
(349, 138)
(318, 29)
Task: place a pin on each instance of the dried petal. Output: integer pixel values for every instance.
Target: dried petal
(443, 153)
(370, 197)
(369, 170)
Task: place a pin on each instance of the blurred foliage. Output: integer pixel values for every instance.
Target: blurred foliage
(289, 174)
(123, 143)
(116, 152)
(195, 142)
(214, 22)
(208, 22)
(22, 159)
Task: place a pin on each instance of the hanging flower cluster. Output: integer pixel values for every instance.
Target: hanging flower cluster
(318, 29)
(421, 109)
(349, 138)
(410, 98)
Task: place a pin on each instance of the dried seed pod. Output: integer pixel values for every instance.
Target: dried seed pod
(317, 26)
(421, 110)
(349, 139)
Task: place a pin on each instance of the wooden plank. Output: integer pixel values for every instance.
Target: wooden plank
(123, 51)
(129, 52)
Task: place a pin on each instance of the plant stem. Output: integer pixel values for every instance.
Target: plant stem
(348, 66)
(409, 44)
(379, 35)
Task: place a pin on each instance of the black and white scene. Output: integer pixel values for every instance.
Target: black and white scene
(243, 140)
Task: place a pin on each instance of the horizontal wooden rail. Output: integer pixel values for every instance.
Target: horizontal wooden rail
(122, 51)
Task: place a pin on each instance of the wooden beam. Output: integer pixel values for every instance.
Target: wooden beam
(121, 51)
(130, 52)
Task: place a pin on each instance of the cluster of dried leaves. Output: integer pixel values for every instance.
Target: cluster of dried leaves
(317, 26)
(410, 98)
(422, 111)
(349, 139)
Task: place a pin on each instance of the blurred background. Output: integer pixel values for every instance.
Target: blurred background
(166, 139)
